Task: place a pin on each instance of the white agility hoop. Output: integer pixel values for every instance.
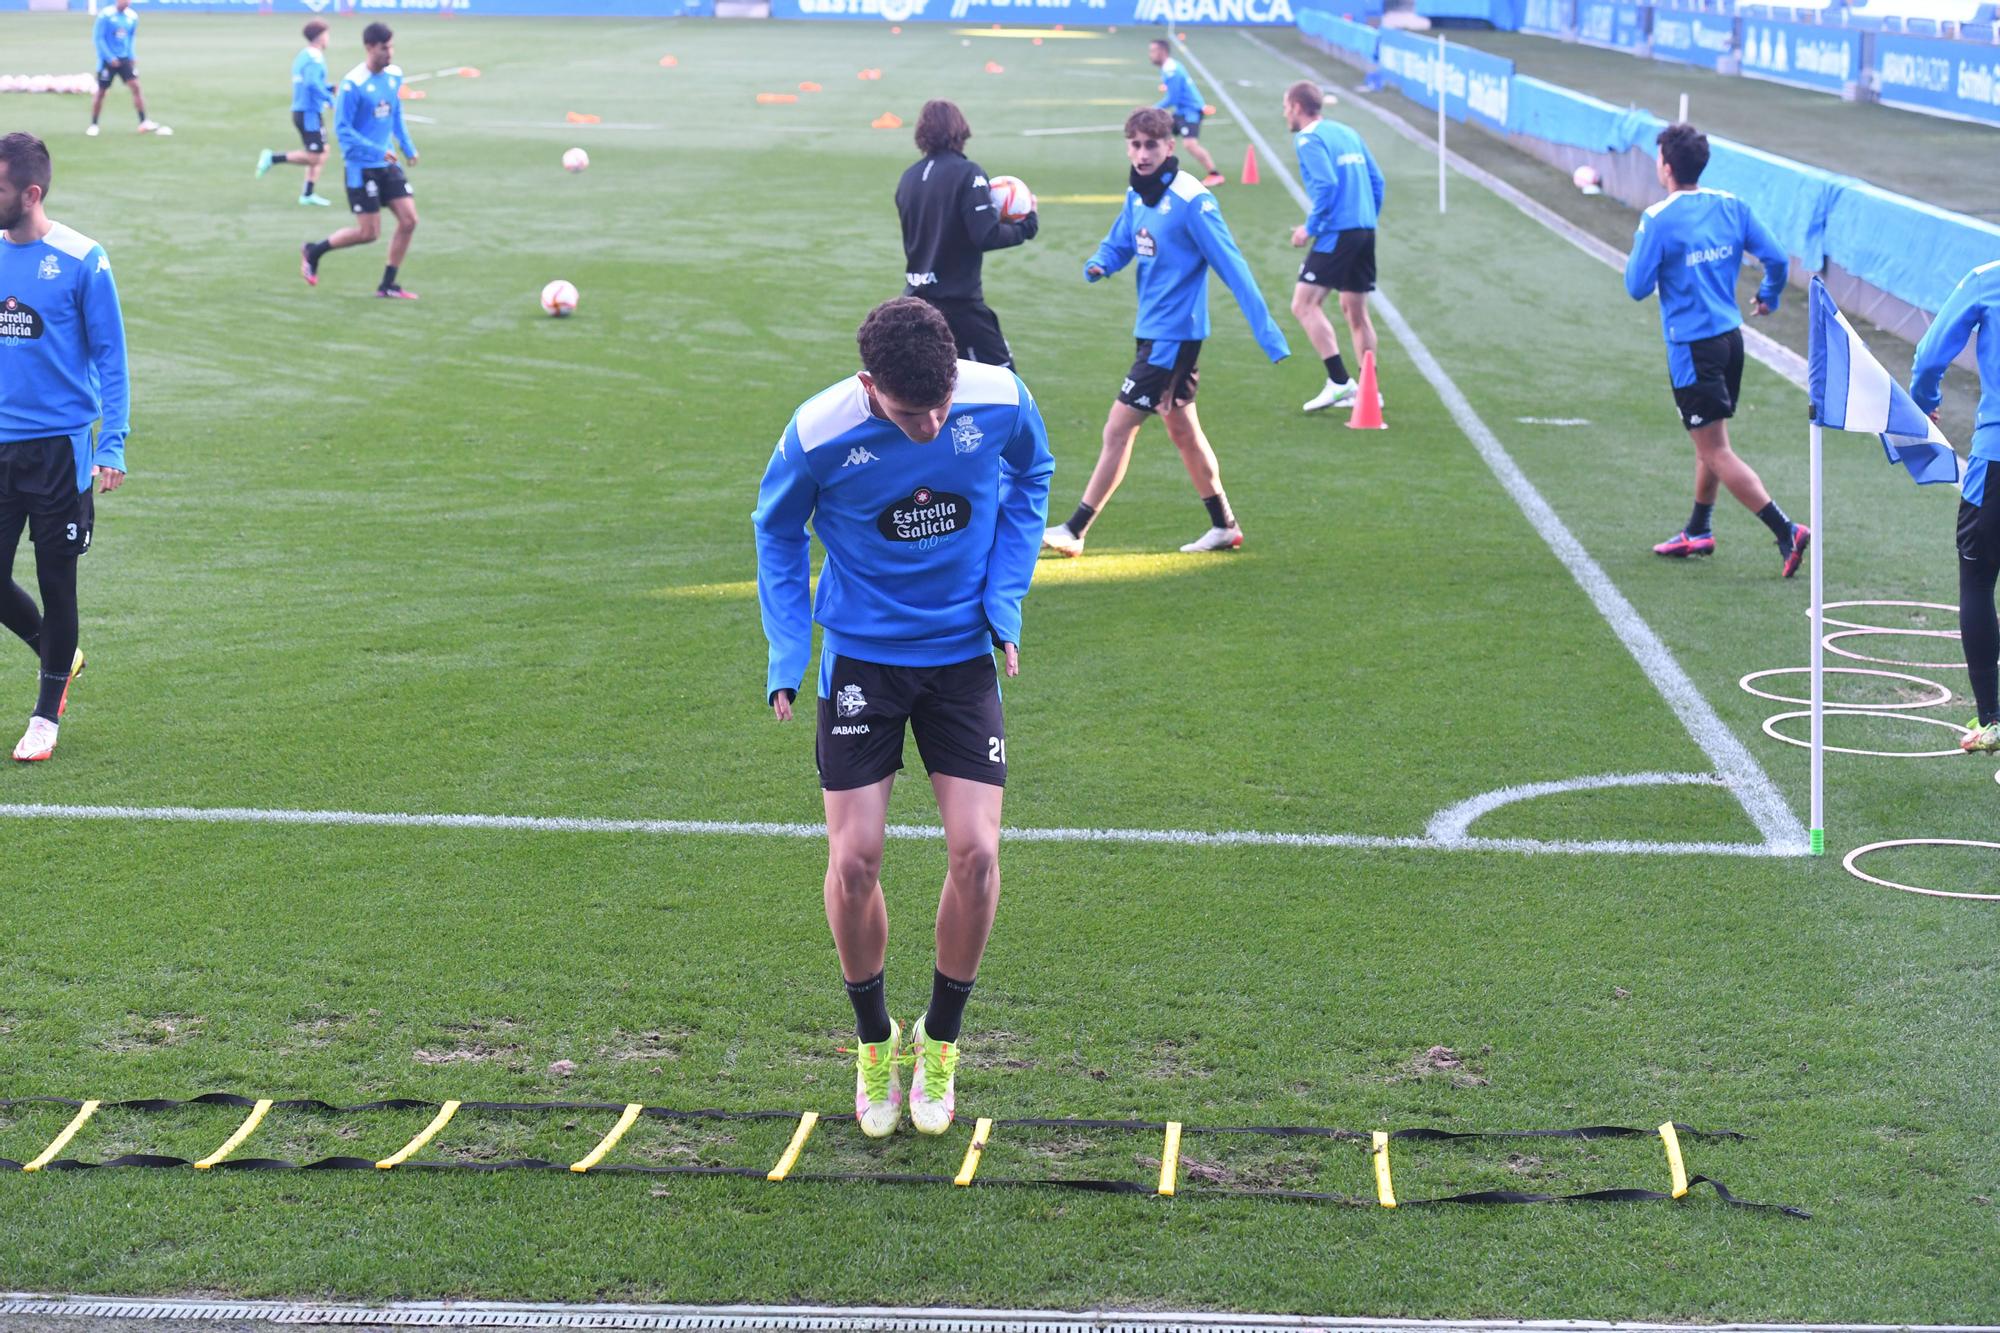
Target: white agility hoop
(1847, 863)
(1855, 624)
(1833, 647)
(1771, 730)
(1945, 695)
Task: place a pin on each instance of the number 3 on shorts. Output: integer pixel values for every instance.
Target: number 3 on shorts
(996, 750)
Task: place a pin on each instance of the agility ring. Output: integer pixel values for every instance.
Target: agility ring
(1832, 647)
(1771, 730)
(1945, 694)
(1887, 629)
(1847, 864)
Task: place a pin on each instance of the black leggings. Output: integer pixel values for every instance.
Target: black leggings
(52, 630)
(1978, 623)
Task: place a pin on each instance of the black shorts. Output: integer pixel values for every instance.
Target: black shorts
(1717, 367)
(379, 186)
(38, 491)
(126, 69)
(1979, 530)
(1348, 267)
(314, 140)
(954, 710)
(1151, 388)
(976, 330)
(1187, 127)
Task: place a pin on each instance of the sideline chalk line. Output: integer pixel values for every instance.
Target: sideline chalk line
(1738, 768)
(1429, 842)
(846, 1318)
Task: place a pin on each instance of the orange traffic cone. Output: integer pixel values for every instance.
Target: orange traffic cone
(1250, 165)
(1368, 402)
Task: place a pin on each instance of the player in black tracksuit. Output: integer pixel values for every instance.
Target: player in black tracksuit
(949, 223)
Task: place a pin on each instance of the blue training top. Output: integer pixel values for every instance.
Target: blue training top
(310, 93)
(368, 113)
(114, 34)
(929, 547)
(1690, 245)
(1341, 179)
(62, 348)
(1182, 98)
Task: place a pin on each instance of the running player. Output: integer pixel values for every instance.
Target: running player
(1345, 186)
(1690, 246)
(949, 223)
(1183, 100)
(312, 96)
(926, 478)
(367, 114)
(62, 370)
(115, 34)
(1173, 227)
(1973, 304)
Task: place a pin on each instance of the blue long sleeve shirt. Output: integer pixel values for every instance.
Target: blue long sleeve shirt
(62, 348)
(1973, 305)
(368, 113)
(1176, 243)
(114, 34)
(1690, 246)
(1341, 178)
(1181, 97)
(310, 93)
(929, 547)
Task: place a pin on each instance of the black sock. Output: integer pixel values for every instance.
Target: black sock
(947, 1012)
(308, 190)
(1780, 526)
(19, 613)
(1979, 634)
(317, 251)
(388, 277)
(1218, 510)
(142, 115)
(1699, 522)
(56, 576)
(1080, 521)
(1336, 369)
(871, 1009)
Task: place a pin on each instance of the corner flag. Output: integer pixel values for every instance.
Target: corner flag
(1852, 391)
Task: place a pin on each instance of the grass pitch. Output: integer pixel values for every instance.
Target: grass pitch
(456, 557)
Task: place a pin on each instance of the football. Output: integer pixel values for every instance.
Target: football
(1586, 179)
(559, 298)
(575, 160)
(1012, 197)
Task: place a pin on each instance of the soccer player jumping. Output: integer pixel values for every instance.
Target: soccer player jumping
(1183, 101)
(114, 35)
(62, 369)
(1345, 186)
(927, 480)
(367, 114)
(312, 97)
(1690, 246)
(1173, 227)
(1973, 305)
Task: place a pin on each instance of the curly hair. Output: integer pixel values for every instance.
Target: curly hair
(1685, 149)
(1149, 122)
(907, 348)
(941, 128)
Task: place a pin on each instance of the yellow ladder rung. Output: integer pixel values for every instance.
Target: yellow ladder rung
(1670, 1137)
(981, 1132)
(429, 1132)
(243, 1131)
(1170, 1158)
(61, 1140)
(1385, 1189)
(610, 1141)
(794, 1148)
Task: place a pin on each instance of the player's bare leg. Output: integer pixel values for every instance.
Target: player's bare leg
(1121, 430)
(971, 814)
(97, 105)
(1309, 309)
(405, 210)
(1716, 466)
(367, 226)
(1354, 305)
(856, 825)
(1184, 429)
(1193, 145)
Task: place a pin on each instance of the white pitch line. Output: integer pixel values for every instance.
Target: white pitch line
(1740, 770)
(189, 814)
(1774, 355)
(1454, 823)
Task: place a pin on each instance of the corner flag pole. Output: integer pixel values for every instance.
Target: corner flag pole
(1817, 830)
(1439, 83)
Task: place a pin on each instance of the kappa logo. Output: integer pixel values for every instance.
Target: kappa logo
(1143, 400)
(966, 435)
(1309, 276)
(858, 455)
(104, 263)
(850, 701)
(978, 182)
(50, 269)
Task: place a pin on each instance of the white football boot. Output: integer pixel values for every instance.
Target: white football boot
(1062, 541)
(38, 742)
(1216, 539)
(1333, 395)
